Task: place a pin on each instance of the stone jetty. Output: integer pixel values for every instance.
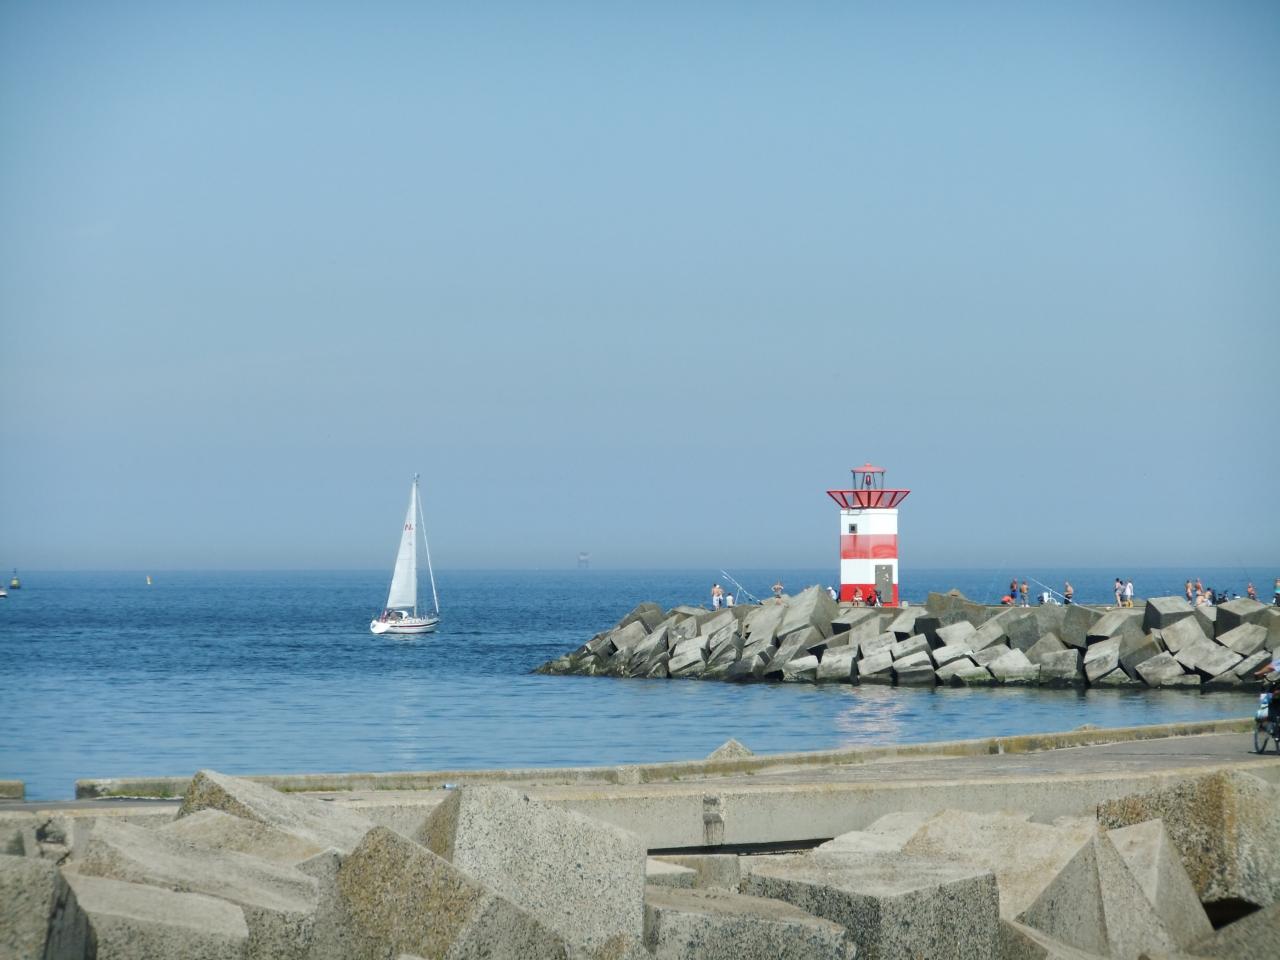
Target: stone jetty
(809, 638)
(1146, 842)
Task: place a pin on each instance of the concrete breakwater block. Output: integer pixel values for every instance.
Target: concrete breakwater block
(895, 907)
(134, 921)
(662, 873)
(1235, 613)
(393, 896)
(221, 831)
(40, 916)
(1095, 904)
(719, 925)
(1157, 866)
(713, 871)
(1161, 612)
(323, 824)
(581, 877)
(1226, 828)
(1023, 856)
(279, 902)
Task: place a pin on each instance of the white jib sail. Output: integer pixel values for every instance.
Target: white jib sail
(404, 582)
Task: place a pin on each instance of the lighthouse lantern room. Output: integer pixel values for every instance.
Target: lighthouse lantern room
(869, 537)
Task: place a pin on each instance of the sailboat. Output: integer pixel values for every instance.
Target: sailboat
(401, 614)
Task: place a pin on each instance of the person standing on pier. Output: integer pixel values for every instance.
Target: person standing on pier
(777, 590)
(1023, 590)
(1191, 594)
(1119, 592)
(1251, 591)
(717, 595)
(1068, 592)
(1013, 590)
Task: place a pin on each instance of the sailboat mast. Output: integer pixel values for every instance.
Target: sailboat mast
(435, 599)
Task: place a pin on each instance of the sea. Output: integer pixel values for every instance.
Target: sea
(105, 675)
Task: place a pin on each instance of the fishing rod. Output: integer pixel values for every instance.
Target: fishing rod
(742, 591)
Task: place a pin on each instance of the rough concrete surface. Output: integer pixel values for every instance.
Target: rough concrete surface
(323, 824)
(1226, 827)
(133, 921)
(719, 925)
(894, 906)
(394, 896)
(40, 917)
(579, 876)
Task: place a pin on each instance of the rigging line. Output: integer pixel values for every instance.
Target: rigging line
(435, 599)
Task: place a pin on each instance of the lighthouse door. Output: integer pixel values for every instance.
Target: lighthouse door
(884, 582)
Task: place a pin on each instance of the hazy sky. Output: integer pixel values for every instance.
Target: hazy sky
(643, 279)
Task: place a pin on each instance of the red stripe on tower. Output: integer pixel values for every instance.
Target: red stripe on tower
(869, 546)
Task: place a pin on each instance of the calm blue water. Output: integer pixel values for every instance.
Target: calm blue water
(101, 676)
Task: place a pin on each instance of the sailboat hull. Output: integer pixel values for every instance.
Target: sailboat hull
(406, 625)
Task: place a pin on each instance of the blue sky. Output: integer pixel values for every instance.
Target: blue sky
(638, 279)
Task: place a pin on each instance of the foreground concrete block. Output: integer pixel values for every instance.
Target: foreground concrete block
(916, 660)
(1116, 624)
(1020, 942)
(894, 906)
(904, 624)
(583, 878)
(718, 925)
(946, 672)
(279, 902)
(663, 873)
(1250, 938)
(1155, 863)
(888, 834)
(1095, 904)
(1226, 827)
(323, 824)
(713, 871)
(40, 917)
(393, 896)
(134, 921)
(1024, 856)
(221, 831)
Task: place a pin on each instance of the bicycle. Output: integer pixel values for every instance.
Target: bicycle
(1263, 731)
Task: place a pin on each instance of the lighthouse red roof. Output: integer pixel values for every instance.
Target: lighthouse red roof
(868, 468)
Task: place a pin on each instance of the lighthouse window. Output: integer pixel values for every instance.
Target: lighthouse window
(853, 528)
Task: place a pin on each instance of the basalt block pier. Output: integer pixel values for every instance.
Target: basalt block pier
(811, 638)
(1159, 841)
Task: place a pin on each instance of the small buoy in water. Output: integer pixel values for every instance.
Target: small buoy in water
(148, 580)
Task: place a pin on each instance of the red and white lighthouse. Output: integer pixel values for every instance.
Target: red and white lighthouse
(869, 536)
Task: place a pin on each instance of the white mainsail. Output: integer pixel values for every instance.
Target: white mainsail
(404, 582)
